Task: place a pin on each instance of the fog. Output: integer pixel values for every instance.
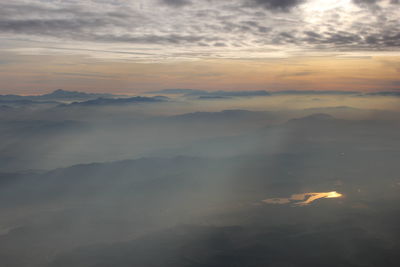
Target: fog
(182, 179)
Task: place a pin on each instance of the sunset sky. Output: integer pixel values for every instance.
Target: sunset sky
(132, 46)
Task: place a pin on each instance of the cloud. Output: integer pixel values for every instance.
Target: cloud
(47, 26)
(373, 2)
(367, 2)
(176, 3)
(281, 5)
(206, 29)
(67, 21)
(155, 39)
(297, 74)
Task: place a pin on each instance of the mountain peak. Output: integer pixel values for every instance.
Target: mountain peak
(61, 92)
(319, 116)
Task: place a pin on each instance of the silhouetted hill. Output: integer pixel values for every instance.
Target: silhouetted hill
(178, 91)
(313, 118)
(313, 92)
(384, 93)
(202, 94)
(57, 95)
(208, 246)
(227, 94)
(70, 95)
(226, 115)
(118, 101)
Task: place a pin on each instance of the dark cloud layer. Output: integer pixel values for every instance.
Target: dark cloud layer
(176, 3)
(282, 5)
(373, 2)
(240, 24)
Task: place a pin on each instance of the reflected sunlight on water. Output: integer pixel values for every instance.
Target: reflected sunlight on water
(303, 199)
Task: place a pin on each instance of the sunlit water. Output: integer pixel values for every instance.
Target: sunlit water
(303, 199)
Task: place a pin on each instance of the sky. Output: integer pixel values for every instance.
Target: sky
(132, 46)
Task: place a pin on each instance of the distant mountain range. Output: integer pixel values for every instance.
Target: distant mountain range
(221, 94)
(57, 95)
(64, 98)
(91, 99)
(202, 94)
(102, 101)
